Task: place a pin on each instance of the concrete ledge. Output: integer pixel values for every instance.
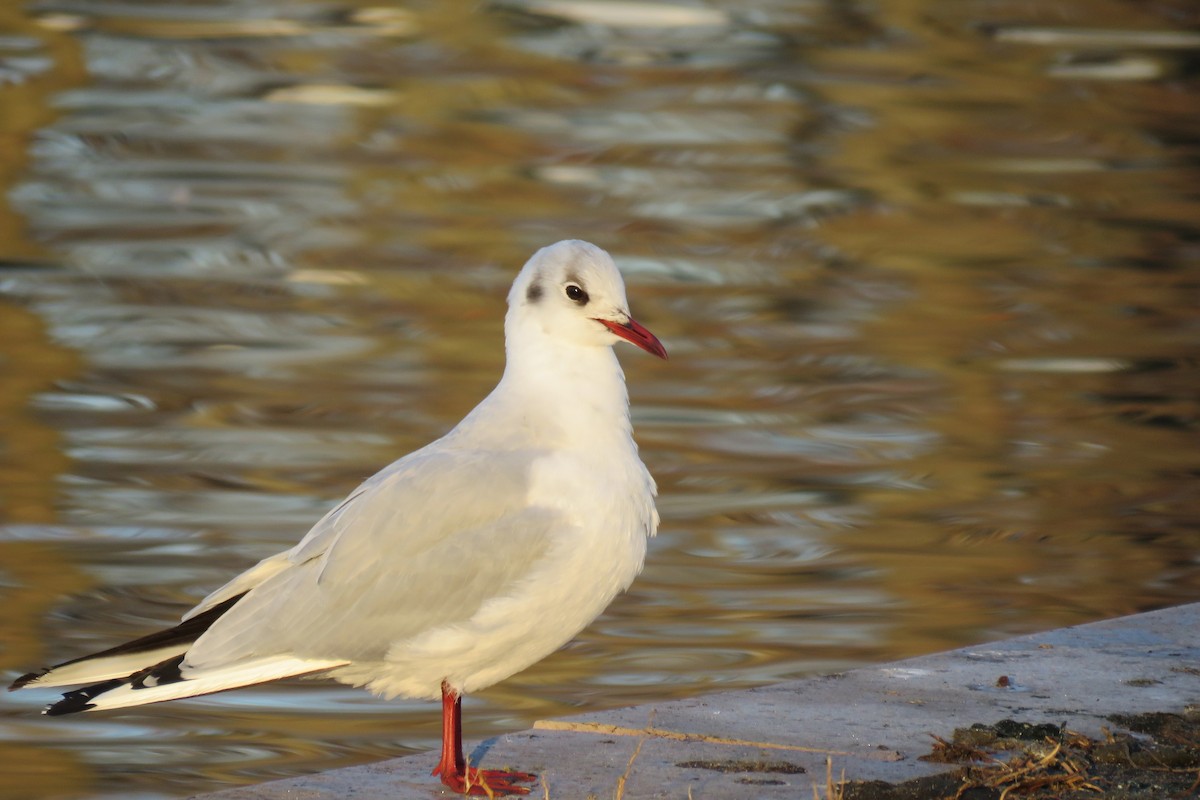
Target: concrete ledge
(772, 742)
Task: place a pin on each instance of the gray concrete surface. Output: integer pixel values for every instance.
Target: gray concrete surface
(873, 722)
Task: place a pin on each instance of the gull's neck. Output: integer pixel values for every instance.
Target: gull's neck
(555, 393)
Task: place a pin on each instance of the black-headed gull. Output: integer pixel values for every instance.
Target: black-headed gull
(454, 567)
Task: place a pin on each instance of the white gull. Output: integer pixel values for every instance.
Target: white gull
(455, 566)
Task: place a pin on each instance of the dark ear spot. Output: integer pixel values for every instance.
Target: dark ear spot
(534, 292)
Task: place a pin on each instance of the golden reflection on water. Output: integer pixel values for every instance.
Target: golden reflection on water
(926, 272)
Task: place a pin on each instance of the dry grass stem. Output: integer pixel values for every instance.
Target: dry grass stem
(833, 791)
(620, 791)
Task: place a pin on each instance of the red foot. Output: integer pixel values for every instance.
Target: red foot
(453, 768)
(487, 782)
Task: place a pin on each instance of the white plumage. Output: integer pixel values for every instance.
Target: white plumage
(459, 564)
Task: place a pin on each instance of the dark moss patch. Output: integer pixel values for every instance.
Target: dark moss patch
(933, 786)
(760, 782)
(1180, 729)
(1024, 731)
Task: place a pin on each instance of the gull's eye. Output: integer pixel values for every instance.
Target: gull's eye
(577, 294)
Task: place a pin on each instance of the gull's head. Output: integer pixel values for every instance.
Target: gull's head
(573, 291)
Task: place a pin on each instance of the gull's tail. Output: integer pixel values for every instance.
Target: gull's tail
(126, 659)
(150, 670)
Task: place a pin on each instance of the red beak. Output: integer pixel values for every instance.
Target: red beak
(632, 331)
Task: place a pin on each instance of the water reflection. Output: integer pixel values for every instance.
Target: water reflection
(926, 272)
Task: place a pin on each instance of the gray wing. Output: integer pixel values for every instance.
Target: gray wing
(423, 543)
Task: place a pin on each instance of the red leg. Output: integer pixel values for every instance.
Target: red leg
(453, 766)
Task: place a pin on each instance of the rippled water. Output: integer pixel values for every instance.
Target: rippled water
(927, 272)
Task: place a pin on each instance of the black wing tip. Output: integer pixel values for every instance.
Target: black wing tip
(68, 705)
(80, 699)
(26, 679)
